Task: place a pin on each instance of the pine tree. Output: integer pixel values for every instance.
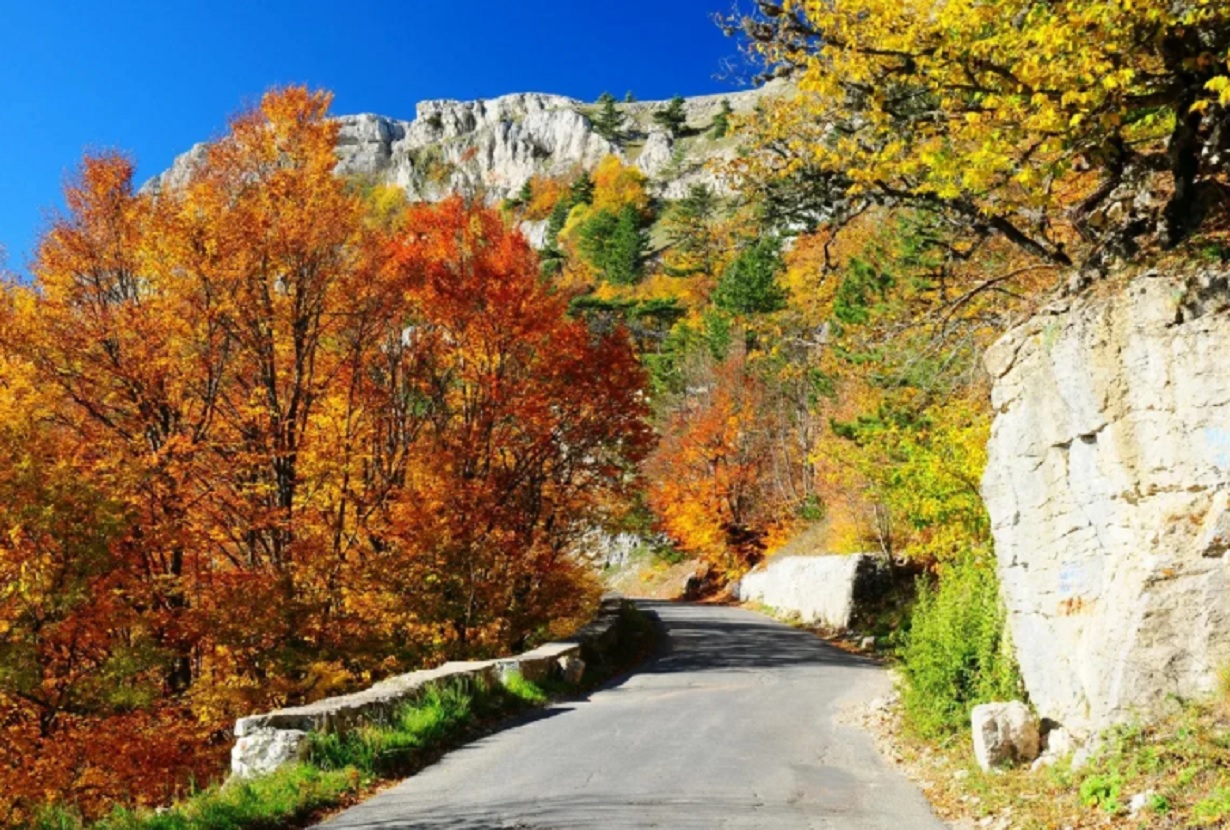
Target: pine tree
(629, 98)
(551, 257)
(672, 118)
(608, 121)
(689, 228)
(626, 257)
(749, 284)
(615, 244)
(581, 192)
(721, 122)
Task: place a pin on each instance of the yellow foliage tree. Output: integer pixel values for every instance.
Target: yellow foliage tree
(1016, 117)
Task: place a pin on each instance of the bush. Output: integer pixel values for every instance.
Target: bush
(957, 655)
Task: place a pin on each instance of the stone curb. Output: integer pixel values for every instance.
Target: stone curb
(267, 741)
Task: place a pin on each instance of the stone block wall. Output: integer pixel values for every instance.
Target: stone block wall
(267, 741)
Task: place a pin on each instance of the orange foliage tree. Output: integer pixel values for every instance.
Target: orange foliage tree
(266, 445)
(711, 479)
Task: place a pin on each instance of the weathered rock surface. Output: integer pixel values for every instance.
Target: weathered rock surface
(492, 147)
(1005, 734)
(262, 751)
(826, 590)
(1107, 483)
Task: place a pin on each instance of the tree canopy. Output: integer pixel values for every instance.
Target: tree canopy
(1013, 117)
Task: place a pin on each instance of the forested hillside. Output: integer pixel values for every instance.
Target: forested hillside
(293, 418)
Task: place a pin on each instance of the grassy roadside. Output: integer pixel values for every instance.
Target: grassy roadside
(1173, 773)
(342, 770)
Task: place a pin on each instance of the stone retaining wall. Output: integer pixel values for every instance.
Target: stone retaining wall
(267, 741)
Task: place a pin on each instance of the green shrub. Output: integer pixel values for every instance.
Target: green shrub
(1103, 791)
(956, 654)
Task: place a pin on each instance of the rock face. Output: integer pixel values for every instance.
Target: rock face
(1005, 734)
(826, 590)
(492, 147)
(1108, 487)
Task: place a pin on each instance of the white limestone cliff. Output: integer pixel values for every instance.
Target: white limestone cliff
(1108, 487)
(492, 147)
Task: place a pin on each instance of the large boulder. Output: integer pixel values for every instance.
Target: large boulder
(1005, 734)
(1108, 488)
(825, 590)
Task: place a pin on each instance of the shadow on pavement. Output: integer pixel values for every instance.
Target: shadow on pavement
(726, 638)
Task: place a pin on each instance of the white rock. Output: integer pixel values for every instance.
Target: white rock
(1140, 801)
(1004, 733)
(820, 589)
(491, 147)
(1059, 742)
(657, 154)
(261, 751)
(1108, 487)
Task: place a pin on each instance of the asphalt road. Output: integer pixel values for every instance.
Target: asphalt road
(732, 726)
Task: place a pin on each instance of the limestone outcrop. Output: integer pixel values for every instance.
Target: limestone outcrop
(825, 590)
(492, 147)
(1108, 488)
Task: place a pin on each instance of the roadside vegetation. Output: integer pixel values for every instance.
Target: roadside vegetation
(1172, 773)
(337, 771)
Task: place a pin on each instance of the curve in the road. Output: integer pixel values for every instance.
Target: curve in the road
(732, 726)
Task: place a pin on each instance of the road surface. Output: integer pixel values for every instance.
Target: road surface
(732, 726)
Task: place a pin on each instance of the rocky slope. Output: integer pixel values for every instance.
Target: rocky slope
(494, 146)
(1108, 487)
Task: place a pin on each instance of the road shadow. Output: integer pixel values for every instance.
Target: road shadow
(720, 638)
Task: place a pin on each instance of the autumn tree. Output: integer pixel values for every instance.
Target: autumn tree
(712, 478)
(274, 433)
(1036, 122)
(523, 444)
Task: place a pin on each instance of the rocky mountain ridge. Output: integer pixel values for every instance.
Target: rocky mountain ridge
(494, 146)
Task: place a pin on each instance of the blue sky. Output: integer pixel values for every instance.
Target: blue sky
(153, 77)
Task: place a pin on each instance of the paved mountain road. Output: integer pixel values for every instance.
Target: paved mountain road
(731, 727)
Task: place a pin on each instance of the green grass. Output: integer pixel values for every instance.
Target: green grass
(338, 767)
(281, 799)
(1180, 763)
